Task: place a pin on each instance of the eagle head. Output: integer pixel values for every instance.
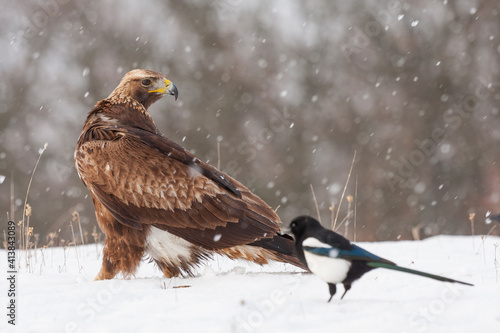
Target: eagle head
(145, 86)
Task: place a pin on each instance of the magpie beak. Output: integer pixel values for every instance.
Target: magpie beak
(285, 230)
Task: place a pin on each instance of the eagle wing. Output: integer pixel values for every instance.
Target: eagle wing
(142, 177)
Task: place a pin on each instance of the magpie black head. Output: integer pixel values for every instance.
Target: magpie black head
(302, 225)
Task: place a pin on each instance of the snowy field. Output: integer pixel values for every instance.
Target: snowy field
(233, 296)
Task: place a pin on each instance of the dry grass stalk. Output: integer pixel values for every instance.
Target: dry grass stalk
(348, 215)
(315, 203)
(29, 232)
(415, 231)
(332, 216)
(347, 218)
(31, 265)
(52, 237)
(24, 242)
(64, 247)
(345, 187)
(218, 155)
(74, 244)
(42, 251)
(76, 218)
(37, 239)
(355, 200)
(491, 230)
(471, 219)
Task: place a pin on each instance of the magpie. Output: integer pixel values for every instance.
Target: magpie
(493, 218)
(336, 260)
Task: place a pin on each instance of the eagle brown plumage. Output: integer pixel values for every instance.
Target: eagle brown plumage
(153, 197)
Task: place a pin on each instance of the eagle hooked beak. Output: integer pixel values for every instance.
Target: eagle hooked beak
(170, 89)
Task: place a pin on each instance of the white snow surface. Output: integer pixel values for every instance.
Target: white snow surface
(236, 296)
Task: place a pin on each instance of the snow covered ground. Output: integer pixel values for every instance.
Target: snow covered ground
(233, 296)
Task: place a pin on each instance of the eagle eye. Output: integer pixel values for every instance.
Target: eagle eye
(146, 82)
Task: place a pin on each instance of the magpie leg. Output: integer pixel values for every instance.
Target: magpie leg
(347, 286)
(333, 290)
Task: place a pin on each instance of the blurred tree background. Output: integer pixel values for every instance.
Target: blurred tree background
(291, 91)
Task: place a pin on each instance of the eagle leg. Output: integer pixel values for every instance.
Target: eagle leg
(168, 271)
(107, 271)
(119, 256)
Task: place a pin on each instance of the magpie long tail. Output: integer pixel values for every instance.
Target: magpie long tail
(375, 264)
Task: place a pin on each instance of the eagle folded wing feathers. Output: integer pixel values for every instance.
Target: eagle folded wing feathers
(145, 186)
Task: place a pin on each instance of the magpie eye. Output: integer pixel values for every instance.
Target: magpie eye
(146, 82)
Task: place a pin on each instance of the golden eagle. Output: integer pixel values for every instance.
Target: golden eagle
(153, 197)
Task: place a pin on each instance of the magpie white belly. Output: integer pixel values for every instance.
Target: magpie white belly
(330, 269)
